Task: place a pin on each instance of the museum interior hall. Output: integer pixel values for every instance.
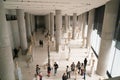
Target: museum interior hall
(59, 39)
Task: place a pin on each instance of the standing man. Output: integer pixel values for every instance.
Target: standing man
(55, 68)
(68, 71)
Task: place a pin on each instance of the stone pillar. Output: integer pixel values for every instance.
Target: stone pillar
(66, 23)
(33, 20)
(109, 22)
(58, 29)
(48, 22)
(69, 22)
(90, 27)
(79, 25)
(74, 25)
(6, 58)
(15, 30)
(22, 29)
(32, 23)
(83, 29)
(15, 33)
(80, 22)
(10, 33)
(28, 29)
(52, 24)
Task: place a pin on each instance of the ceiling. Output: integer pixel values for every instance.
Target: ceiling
(43, 7)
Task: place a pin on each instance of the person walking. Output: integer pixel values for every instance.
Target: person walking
(37, 69)
(76, 73)
(55, 68)
(85, 63)
(73, 67)
(64, 77)
(78, 66)
(49, 70)
(68, 71)
(82, 69)
(18, 73)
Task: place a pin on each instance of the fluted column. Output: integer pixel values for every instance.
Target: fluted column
(15, 30)
(28, 29)
(90, 27)
(32, 23)
(69, 22)
(6, 59)
(74, 25)
(48, 22)
(66, 23)
(22, 29)
(52, 24)
(109, 22)
(83, 28)
(58, 29)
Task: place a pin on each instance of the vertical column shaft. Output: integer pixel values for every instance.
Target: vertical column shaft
(110, 17)
(28, 29)
(52, 24)
(90, 27)
(48, 22)
(58, 28)
(6, 61)
(66, 23)
(22, 29)
(74, 25)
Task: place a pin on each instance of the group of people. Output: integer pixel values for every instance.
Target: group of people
(79, 68)
(38, 75)
(55, 69)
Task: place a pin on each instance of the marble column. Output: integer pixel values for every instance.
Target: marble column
(6, 58)
(45, 21)
(109, 23)
(10, 30)
(69, 22)
(33, 20)
(15, 33)
(80, 22)
(52, 24)
(48, 22)
(28, 29)
(66, 23)
(22, 29)
(90, 27)
(58, 29)
(74, 25)
(81, 25)
(84, 16)
(32, 23)
(15, 30)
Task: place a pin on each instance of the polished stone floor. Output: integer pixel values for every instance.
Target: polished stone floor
(40, 56)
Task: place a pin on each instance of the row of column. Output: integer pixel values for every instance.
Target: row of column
(107, 31)
(17, 35)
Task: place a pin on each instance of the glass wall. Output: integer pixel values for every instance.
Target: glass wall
(97, 29)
